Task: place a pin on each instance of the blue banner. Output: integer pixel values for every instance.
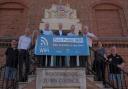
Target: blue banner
(61, 45)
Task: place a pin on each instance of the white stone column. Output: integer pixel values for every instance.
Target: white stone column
(52, 61)
(78, 61)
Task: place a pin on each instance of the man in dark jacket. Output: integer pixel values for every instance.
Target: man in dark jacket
(11, 62)
(116, 64)
(60, 60)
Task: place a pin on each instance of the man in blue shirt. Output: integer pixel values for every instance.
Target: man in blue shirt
(73, 60)
(45, 60)
(24, 45)
(47, 30)
(72, 31)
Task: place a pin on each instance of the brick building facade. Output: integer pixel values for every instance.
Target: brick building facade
(108, 19)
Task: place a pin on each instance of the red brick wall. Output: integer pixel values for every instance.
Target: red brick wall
(99, 15)
(104, 17)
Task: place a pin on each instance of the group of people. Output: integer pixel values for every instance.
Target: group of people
(63, 61)
(111, 62)
(17, 59)
(17, 56)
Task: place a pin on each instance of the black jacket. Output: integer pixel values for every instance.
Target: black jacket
(58, 34)
(11, 57)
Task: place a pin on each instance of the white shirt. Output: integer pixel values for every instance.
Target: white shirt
(47, 32)
(90, 36)
(71, 34)
(60, 32)
(24, 42)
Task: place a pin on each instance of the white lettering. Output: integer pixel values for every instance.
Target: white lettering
(68, 40)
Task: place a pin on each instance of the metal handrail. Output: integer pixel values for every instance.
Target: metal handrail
(2, 70)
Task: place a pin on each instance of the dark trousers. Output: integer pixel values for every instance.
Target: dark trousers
(83, 61)
(48, 60)
(60, 61)
(73, 62)
(42, 60)
(100, 71)
(23, 65)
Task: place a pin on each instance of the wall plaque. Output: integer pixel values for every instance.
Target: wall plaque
(61, 78)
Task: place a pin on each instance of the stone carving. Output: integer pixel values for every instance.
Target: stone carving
(60, 11)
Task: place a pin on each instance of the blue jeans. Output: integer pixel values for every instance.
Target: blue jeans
(117, 78)
(10, 73)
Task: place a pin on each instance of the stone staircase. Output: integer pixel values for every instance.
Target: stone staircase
(91, 84)
(29, 84)
(1, 83)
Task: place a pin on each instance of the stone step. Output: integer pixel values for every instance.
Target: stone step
(31, 78)
(98, 84)
(30, 85)
(90, 77)
(91, 85)
(1, 84)
(21, 85)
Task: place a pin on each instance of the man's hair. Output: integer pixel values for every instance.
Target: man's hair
(97, 43)
(14, 40)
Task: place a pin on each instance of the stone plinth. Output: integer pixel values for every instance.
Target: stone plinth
(61, 78)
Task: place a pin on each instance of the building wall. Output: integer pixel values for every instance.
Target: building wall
(106, 18)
